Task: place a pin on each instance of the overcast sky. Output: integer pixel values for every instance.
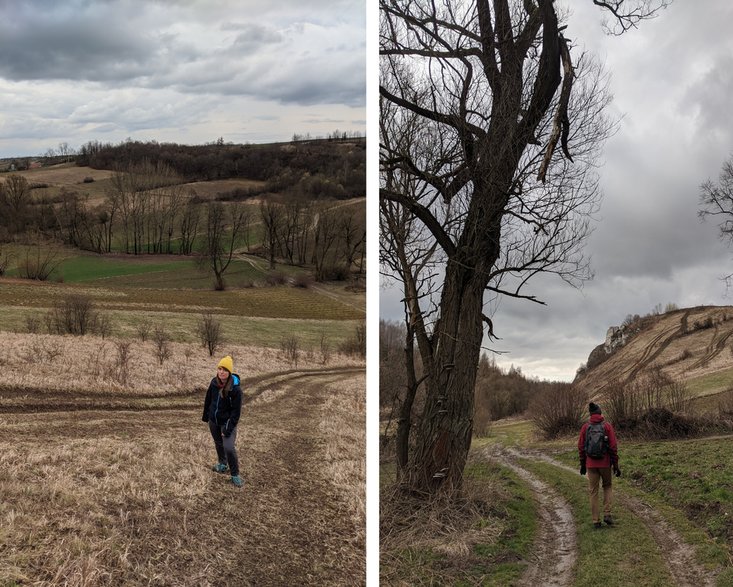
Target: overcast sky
(672, 81)
(186, 71)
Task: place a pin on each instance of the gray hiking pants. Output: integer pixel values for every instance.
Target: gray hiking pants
(225, 450)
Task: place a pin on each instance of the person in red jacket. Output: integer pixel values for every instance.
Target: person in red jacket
(598, 453)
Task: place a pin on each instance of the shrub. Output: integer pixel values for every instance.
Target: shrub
(143, 331)
(290, 347)
(209, 331)
(74, 314)
(303, 280)
(559, 409)
(32, 324)
(276, 278)
(325, 350)
(356, 345)
(122, 361)
(161, 340)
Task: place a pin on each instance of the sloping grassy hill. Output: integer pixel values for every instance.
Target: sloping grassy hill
(693, 345)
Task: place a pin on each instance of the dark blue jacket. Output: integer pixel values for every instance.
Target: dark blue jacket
(224, 411)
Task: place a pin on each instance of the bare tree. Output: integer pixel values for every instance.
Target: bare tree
(496, 91)
(223, 227)
(188, 226)
(325, 235)
(716, 200)
(272, 218)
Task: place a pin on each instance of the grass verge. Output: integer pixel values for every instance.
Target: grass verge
(622, 555)
(689, 482)
(482, 538)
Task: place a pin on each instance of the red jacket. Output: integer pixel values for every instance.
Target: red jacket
(610, 458)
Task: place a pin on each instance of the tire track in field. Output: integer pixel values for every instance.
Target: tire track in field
(555, 549)
(677, 554)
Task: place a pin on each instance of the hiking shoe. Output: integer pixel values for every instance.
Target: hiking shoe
(237, 480)
(608, 520)
(597, 525)
(219, 468)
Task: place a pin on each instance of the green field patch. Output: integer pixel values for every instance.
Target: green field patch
(86, 269)
(711, 383)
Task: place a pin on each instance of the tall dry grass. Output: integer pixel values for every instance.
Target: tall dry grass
(90, 508)
(342, 423)
(93, 364)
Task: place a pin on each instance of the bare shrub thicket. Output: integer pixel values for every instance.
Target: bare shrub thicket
(143, 331)
(32, 323)
(291, 349)
(622, 404)
(75, 314)
(678, 397)
(39, 263)
(559, 409)
(161, 340)
(210, 333)
(356, 345)
(42, 349)
(325, 350)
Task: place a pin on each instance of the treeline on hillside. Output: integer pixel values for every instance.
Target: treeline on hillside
(147, 211)
(317, 169)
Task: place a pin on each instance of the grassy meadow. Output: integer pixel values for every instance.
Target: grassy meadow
(174, 292)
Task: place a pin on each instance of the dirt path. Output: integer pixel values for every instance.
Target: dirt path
(555, 549)
(290, 526)
(678, 555)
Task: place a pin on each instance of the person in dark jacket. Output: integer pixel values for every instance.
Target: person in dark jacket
(222, 408)
(599, 468)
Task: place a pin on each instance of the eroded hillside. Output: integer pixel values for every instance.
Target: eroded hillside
(693, 345)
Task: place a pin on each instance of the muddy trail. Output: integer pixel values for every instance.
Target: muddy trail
(553, 566)
(554, 549)
(135, 476)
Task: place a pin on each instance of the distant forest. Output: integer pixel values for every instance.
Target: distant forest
(326, 168)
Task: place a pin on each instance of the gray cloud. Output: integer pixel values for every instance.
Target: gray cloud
(148, 45)
(192, 70)
(672, 80)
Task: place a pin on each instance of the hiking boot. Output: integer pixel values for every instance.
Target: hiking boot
(220, 468)
(237, 480)
(608, 520)
(597, 525)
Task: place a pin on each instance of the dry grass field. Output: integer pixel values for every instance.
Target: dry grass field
(109, 483)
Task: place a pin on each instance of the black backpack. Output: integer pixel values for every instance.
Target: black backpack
(596, 441)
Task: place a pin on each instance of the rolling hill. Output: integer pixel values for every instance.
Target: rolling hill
(693, 346)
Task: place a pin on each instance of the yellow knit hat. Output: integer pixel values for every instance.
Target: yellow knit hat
(227, 363)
